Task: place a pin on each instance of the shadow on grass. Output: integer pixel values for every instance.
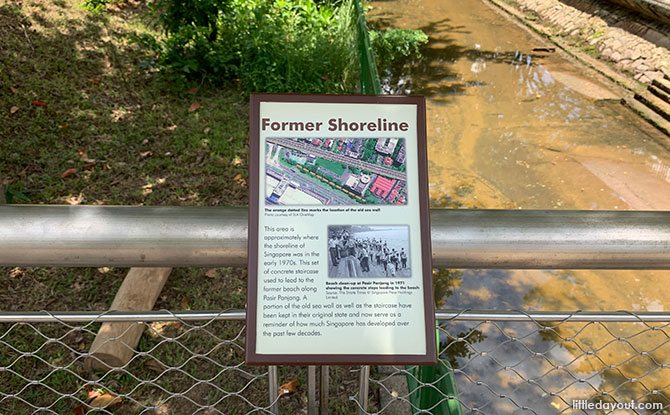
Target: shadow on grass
(132, 140)
(74, 97)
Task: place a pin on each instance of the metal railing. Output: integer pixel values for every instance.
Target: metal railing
(67, 317)
(192, 361)
(86, 236)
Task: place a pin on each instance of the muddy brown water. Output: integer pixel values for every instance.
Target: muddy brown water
(512, 125)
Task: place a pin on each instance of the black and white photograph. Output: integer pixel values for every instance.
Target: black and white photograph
(368, 251)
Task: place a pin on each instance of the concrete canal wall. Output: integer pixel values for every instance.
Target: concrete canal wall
(654, 9)
(626, 46)
(633, 44)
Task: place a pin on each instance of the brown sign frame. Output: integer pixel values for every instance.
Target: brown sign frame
(253, 358)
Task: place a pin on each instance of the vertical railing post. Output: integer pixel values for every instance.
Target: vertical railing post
(324, 390)
(273, 387)
(311, 390)
(363, 390)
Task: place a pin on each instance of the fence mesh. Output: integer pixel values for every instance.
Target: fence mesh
(180, 367)
(512, 367)
(499, 367)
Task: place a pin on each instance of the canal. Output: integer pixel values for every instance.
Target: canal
(514, 124)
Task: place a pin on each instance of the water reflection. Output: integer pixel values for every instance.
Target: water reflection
(545, 365)
(513, 125)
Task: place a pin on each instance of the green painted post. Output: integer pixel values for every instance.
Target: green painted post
(429, 385)
(370, 84)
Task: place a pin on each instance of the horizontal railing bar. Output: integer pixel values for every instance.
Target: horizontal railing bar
(117, 316)
(562, 316)
(453, 315)
(124, 236)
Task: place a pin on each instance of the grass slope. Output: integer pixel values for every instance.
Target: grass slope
(99, 105)
(81, 122)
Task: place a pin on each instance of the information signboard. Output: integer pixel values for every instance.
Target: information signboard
(339, 235)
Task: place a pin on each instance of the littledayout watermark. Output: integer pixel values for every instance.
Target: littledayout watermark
(611, 406)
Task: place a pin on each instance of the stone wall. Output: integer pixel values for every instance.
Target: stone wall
(655, 9)
(632, 44)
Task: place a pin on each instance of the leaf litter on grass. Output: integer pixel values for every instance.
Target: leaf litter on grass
(105, 106)
(194, 106)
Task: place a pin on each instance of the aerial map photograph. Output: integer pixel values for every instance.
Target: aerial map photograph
(335, 171)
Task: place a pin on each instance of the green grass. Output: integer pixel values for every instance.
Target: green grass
(147, 147)
(133, 141)
(598, 33)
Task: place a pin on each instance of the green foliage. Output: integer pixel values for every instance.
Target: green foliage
(175, 14)
(14, 195)
(269, 46)
(598, 33)
(392, 45)
(301, 46)
(95, 6)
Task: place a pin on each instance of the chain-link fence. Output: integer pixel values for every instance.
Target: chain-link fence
(599, 364)
(491, 363)
(180, 366)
